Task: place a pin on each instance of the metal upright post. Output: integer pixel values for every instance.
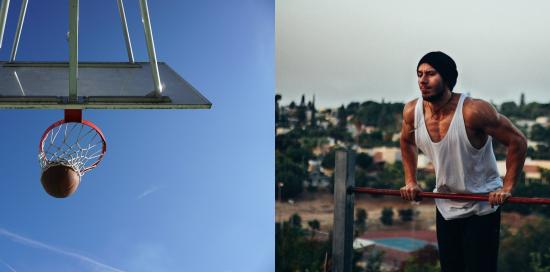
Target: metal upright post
(73, 50)
(18, 31)
(344, 181)
(280, 185)
(125, 29)
(3, 16)
(150, 46)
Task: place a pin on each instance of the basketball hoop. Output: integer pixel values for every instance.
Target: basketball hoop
(71, 147)
(72, 142)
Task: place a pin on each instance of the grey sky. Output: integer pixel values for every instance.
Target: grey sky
(351, 50)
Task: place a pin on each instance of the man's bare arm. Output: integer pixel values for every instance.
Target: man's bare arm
(409, 153)
(484, 116)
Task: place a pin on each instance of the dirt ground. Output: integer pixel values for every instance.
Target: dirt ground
(319, 206)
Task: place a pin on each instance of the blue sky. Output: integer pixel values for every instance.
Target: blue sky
(179, 190)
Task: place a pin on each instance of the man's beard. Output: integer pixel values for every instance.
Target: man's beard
(435, 97)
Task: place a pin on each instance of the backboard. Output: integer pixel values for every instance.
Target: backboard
(101, 85)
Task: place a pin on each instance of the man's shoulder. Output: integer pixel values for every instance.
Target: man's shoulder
(477, 106)
(409, 106)
(478, 111)
(476, 102)
(408, 110)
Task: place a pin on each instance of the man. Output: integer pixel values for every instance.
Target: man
(455, 132)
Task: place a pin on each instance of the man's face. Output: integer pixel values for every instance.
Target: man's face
(430, 82)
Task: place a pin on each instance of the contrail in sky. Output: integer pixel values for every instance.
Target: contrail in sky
(36, 244)
(148, 192)
(8, 266)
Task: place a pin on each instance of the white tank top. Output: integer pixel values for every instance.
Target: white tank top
(459, 167)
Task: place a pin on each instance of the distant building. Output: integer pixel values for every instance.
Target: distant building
(540, 163)
(423, 161)
(327, 172)
(354, 129)
(282, 130)
(378, 158)
(370, 129)
(324, 147)
(532, 173)
(384, 154)
(534, 144)
(331, 117)
(396, 136)
(542, 120)
(323, 124)
(532, 169)
(525, 123)
(316, 178)
(302, 114)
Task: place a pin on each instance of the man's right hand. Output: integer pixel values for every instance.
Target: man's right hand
(410, 192)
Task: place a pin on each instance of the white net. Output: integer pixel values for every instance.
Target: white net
(76, 145)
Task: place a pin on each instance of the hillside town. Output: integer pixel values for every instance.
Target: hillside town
(307, 137)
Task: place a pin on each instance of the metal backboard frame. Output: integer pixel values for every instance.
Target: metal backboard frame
(93, 85)
(101, 85)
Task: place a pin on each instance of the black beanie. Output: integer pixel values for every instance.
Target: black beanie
(444, 65)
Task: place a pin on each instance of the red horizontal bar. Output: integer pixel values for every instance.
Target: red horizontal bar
(476, 197)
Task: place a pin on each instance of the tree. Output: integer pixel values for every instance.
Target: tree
(296, 251)
(387, 216)
(352, 108)
(392, 175)
(425, 259)
(361, 216)
(292, 105)
(339, 133)
(527, 250)
(406, 215)
(362, 179)
(314, 224)
(329, 160)
(311, 108)
(530, 190)
(371, 139)
(295, 220)
(536, 262)
(539, 133)
(342, 115)
(301, 112)
(369, 114)
(374, 260)
(509, 109)
(290, 174)
(277, 98)
(363, 160)
(542, 152)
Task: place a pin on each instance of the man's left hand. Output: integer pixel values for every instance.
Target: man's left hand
(498, 197)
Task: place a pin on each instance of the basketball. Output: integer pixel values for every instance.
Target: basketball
(60, 181)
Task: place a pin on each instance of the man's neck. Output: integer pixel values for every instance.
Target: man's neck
(437, 105)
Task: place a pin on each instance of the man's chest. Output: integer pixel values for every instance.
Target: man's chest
(438, 127)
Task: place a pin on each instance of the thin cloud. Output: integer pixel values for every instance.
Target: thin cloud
(36, 244)
(148, 192)
(363, 62)
(8, 266)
